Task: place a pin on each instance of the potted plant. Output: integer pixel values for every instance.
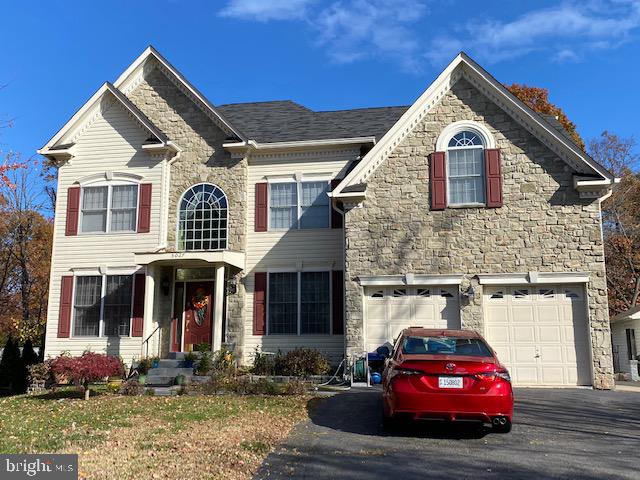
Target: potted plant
(155, 362)
(189, 360)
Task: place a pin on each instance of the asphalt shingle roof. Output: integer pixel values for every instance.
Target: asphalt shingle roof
(286, 121)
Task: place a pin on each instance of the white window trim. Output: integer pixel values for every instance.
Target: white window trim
(226, 238)
(103, 291)
(298, 179)
(299, 302)
(109, 185)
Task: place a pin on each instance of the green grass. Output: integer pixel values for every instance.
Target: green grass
(52, 422)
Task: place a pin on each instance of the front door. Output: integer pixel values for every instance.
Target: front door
(197, 313)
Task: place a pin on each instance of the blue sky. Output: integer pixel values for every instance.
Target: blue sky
(324, 54)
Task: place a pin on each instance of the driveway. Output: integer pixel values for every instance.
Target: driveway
(557, 433)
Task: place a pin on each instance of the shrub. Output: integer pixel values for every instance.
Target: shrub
(88, 368)
(302, 362)
(294, 387)
(202, 347)
(13, 373)
(223, 361)
(204, 364)
(29, 355)
(131, 388)
(263, 363)
(144, 364)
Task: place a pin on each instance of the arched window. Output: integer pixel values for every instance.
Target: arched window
(202, 220)
(465, 155)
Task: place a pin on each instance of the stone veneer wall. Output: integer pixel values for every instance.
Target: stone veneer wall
(202, 160)
(543, 225)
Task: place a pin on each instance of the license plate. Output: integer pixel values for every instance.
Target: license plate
(450, 382)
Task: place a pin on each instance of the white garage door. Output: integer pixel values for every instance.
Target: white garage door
(389, 310)
(540, 333)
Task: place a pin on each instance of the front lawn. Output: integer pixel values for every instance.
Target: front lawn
(151, 437)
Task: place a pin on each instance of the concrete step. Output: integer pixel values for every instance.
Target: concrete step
(165, 371)
(164, 391)
(169, 363)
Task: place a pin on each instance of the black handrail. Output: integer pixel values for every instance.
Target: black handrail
(146, 340)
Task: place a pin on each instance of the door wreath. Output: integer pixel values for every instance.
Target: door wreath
(200, 302)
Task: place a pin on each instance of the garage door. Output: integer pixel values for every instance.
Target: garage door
(389, 310)
(540, 333)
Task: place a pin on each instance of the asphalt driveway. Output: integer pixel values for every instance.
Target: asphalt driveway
(557, 433)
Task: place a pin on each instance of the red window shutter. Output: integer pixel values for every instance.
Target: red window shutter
(337, 286)
(261, 207)
(73, 210)
(137, 321)
(260, 303)
(66, 299)
(493, 173)
(144, 208)
(438, 181)
(336, 217)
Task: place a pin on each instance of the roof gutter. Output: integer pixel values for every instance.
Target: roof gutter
(252, 145)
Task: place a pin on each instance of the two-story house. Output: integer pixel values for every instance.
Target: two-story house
(271, 226)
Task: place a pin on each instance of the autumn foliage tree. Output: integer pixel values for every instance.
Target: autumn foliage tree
(620, 220)
(87, 369)
(25, 256)
(538, 100)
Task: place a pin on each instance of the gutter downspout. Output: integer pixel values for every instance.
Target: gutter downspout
(166, 183)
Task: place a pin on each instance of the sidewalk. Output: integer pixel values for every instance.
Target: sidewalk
(622, 386)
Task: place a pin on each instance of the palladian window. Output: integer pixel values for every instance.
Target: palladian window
(202, 220)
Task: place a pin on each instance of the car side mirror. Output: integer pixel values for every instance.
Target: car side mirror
(384, 351)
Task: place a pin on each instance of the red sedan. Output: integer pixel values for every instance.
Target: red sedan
(447, 375)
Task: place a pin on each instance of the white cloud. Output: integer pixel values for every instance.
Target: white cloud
(563, 31)
(349, 30)
(364, 28)
(266, 10)
(399, 30)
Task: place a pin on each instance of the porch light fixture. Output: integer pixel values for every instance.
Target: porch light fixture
(232, 286)
(165, 284)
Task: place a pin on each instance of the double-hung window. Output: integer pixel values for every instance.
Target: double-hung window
(109, 208)
(299, 205)
(466, 169)
(299, 303)
(102, 305)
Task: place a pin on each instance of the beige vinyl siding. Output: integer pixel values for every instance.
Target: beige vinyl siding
(112, 142)
(619, 340)
(293, 249)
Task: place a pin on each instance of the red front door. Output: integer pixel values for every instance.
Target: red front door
(198, 306)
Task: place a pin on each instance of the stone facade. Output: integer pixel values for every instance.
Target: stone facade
(543, 226)
(203, 159)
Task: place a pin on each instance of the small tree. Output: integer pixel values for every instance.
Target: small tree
(11, 367)
(87, 369)
(29, 355)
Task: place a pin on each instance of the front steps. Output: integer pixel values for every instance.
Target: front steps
(161, 380)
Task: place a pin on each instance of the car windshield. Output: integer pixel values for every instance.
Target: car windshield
(445, 346)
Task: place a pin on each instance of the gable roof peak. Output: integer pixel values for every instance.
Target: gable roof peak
(132, 76)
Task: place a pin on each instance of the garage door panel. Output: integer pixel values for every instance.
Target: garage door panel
(522, 313)
(541, 334)
(526, 375)
(550, 333)
(499, 335)
(399, 308)
(524, 354)
(522, 333)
